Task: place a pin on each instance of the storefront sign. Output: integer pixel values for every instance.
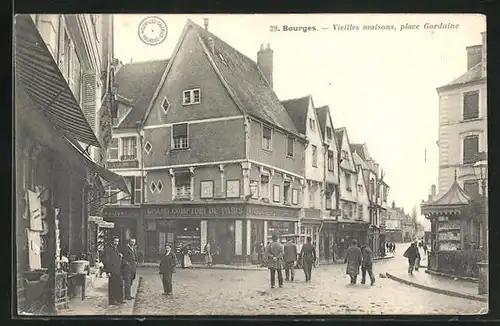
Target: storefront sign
(238, 237)
(132, 212)
(280, 227)
(195, 211)
(257, 211)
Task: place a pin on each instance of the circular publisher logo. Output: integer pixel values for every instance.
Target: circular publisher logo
(153, 30)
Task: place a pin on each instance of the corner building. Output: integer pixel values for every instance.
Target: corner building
(222, 160)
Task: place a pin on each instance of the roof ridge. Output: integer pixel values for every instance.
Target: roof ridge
(296, 98)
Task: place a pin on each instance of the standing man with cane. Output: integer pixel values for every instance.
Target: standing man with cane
(275, 260)
(308, 256)
(112, 267)
(129, 267)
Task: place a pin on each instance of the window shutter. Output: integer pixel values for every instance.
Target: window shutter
(180, 130)
(471, 145)
(89, 99)
(76, 75)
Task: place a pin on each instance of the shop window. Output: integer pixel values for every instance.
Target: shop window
(207, 189)
(113, 149)
(286, 192)
(264, 186)
(331, 161)
(267, 138)
(471, 105)
(129, 149)
(183, 186)
(180, 139)
(295, 196)
(314, 156)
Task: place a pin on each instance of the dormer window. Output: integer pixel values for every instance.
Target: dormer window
(191, 96)
(165, 105)
(329, 132)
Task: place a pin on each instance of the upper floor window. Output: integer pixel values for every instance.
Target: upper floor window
(113, 149)
(328, 132)
(287, 192)
(290, 146)
(191, 96)
(267, 138)
(348, 185)
(471, 187)
(264, 186)
(360, 212)
(360, 189)
(385, 194)
(471, 105)
(314, 156)
(135, 184)
(345, 155)
(312, 124)
(471, 148)
(183, 186)
(180, 139)
(331, 161)
(129, 148)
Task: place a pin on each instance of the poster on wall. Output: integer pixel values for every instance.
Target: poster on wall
(35, 211)
(203, 234)
(207, 189)
(238, 237)
(34, 244)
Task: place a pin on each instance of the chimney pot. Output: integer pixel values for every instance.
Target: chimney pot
(205, 22)
(474, 54)
(265, 63)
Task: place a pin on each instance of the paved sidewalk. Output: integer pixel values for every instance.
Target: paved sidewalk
(438, 284)
(96, 301)
(248, 267)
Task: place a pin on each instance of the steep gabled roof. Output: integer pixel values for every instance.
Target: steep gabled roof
(297, 110)
(245, 81)
(359, 161)
(358, 149)
(137, 83)
(323, 114)
(339, 134)
(473, 74)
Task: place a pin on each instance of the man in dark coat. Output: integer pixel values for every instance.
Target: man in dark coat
(167, 268)
(354, 259)
(274, 253)
(308, 257)
(290, 256)
(112, 266)
(129, 265)
(412, 254)
(367, 264)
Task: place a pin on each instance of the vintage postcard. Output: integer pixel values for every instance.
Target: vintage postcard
(218, 164)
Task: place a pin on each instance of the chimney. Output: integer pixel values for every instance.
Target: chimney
(265, 62)
(433, 191)
(483, 54)
(393, 204)
(473, 55)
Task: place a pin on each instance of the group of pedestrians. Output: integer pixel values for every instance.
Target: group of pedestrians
(120, 267)
(357, 258)
(390, 246)
(285, 256)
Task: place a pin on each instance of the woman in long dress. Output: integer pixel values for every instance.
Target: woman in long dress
(187, 259)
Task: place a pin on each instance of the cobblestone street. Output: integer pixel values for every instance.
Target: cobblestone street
(215, 292)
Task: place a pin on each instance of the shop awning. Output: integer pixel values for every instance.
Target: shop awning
(44, 83)
(110, 177)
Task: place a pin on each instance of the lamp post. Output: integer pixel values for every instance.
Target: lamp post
(481, 171)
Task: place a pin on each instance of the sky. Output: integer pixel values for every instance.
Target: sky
(379, 84)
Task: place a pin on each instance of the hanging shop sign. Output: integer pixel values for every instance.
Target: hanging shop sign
(130, 212)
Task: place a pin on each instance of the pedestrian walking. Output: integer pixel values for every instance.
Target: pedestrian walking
(354, 260)
(274, 255)
(113, 267)
(129, 267)
(367, 264)
(208, 254)
(334, 248)
(308, 257)
(411, 253)
(290, 257)
(167, 268)
(186, 260)
(419, 257)
(260, 253)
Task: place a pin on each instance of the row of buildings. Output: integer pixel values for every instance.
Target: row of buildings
(212, 155)
(458, 210)
(63, 119)
(401, 226)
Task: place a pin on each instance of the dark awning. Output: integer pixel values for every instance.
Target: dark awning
(45, 84)
(110, 177)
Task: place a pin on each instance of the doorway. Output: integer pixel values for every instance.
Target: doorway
(221, 234)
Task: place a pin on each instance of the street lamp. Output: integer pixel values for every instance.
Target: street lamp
(481, 172)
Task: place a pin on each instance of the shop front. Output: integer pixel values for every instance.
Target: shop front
(236, 231)
(127, 223)
(349, 231)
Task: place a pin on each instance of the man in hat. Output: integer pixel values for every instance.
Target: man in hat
(290, 256)
(308, 257)
(354, 259)
(129, 267)
(275, 260)
(112, 266)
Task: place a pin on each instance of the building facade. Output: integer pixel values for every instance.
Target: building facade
(201, 185)
(463, 130)
(61, 125)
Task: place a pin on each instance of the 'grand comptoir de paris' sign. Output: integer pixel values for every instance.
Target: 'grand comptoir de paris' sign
(196, 211)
